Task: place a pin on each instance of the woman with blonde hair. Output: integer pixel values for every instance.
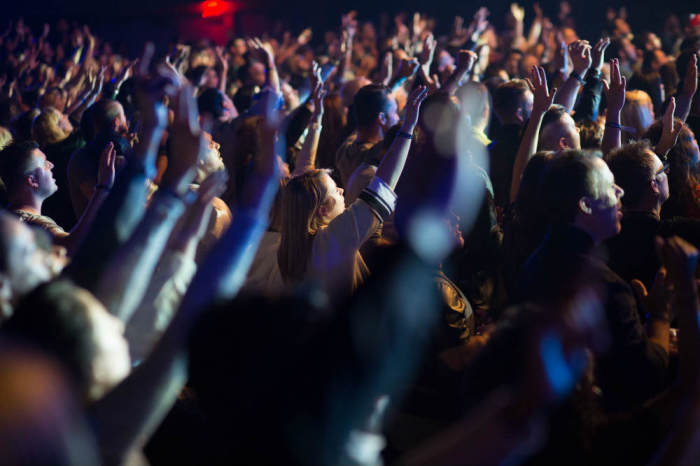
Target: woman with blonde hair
(637, 115)
(320, 238)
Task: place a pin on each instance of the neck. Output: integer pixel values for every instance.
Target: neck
(28, 203)
(581, 225)
(372, 135)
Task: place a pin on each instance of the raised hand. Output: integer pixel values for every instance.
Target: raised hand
(670, 130)
(518, 12)
(187, 142)
(107, 167)
(304, 37)
(580, 52)
(317, 92)
(407, 68)
(261, 51)
(426, 56)
(413, 108)
(151, 88)
(598, 53)
(543, 98)
(615, 89)
(466, 60)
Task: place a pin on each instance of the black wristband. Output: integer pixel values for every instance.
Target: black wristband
(613, 125)
(404, 134)
(578, 77)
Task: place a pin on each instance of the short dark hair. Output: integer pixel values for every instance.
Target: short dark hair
(506, 97)
(552, 115)
(103, 112)
(14, 162)
(567, 178)
(211, 101)
(369, 102)
(243, 99)
(633, 168)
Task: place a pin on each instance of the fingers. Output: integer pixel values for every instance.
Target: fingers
(640, 291)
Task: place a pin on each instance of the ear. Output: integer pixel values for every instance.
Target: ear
(115, 123)
(32, 181)
(584, 205)
(519, 115)
(563, 144)
(654, 186)
(381, 118)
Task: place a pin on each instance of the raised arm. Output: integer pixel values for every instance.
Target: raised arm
(392, 164)
(528, 145)
(669, 132)
(124, 206)
(306, 160)
(465, 62)
(131, 411)
(580, 52)
(263, 52)
(126, 279)
(589, 103)
(223, 61)
(615, 95)
(682, 444)
(690, 87)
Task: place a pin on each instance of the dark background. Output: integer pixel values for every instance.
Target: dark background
(131, 22)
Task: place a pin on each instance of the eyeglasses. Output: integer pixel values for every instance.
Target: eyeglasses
(664, 169)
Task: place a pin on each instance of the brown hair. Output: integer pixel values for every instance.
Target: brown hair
(301, 200)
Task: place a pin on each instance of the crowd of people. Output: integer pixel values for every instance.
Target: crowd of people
(386, 244)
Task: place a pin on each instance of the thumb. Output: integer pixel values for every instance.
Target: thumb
(640, 291)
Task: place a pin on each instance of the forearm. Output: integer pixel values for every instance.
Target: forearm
(273, 77)
(124, 283)
(568, 92)
(587, 108)
(527, 148)
(306, 160)
(222, 79)
(612, 138)
(452, 84)
(683, 103)
(391, 166)
(116, 220)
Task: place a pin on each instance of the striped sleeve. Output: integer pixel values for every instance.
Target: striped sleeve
(380, 198)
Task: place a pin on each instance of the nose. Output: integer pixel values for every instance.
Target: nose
(620, 192)
(341, 191)
(50, 165)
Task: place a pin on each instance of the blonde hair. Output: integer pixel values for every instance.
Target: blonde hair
(301, 200)
(5, 137)
(46, 128)
(638, 113)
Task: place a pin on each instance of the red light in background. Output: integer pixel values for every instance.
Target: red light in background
(215, 8)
